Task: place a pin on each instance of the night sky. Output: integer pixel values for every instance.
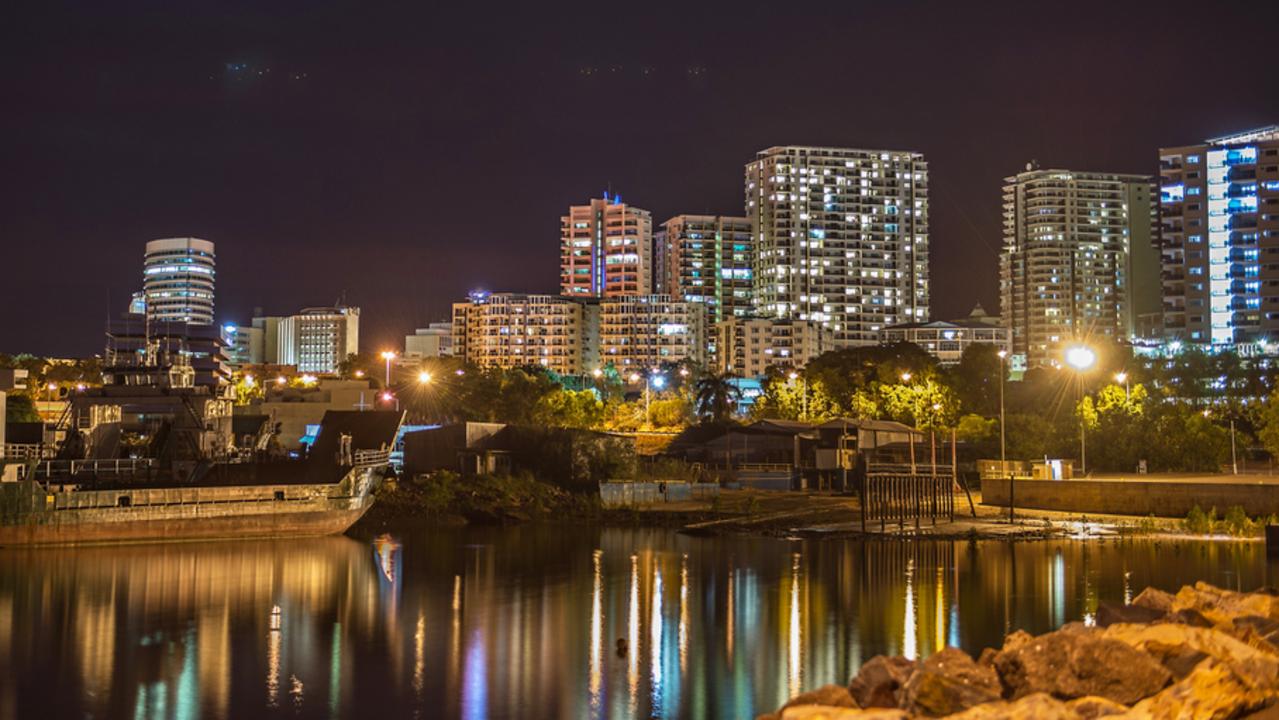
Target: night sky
(403, 156)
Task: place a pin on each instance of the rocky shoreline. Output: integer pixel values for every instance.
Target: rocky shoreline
(1202, 653)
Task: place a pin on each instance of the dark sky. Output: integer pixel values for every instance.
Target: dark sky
(404, 155)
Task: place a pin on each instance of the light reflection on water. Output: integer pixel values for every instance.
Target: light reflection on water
(545, 621)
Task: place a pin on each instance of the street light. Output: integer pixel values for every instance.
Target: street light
(388, 356)
(1081, 358)
(597, 373)
(424, 378)
(1003, 457)
(906, 376)
(1122, 377)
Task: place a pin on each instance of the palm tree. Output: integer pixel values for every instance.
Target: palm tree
(716, 397)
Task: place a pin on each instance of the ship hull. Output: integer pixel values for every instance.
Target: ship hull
(33, 514)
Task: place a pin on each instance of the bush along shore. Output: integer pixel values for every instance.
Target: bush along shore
(1202, 653)
(445, 498)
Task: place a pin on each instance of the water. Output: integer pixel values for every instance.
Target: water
(524, 622)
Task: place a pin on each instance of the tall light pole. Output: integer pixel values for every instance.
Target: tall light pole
(1003, 456)
(1081, 358)
(388, 356)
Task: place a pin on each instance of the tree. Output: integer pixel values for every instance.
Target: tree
(20, 408)
(715, 397)
(925, 404)
(976, 379)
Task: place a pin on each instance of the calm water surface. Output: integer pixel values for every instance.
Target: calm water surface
(525, 622)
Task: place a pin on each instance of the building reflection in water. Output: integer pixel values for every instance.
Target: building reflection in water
(507, 622)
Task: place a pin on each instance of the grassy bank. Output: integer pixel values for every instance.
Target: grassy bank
(447, 499)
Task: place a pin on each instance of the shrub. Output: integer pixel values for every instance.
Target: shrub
(1237, 522)
(1147, 524)
(1199, 522)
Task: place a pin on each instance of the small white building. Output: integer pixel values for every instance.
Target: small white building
(947, 340)
(434, 340)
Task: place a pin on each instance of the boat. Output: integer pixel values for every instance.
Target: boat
(154, 454)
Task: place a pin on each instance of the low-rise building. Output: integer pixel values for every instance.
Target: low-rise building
(434, 340)
(244, 345)
(747, 347)
(947, 340)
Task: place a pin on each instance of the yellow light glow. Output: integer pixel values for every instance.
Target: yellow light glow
(424, 377)
(388, 355)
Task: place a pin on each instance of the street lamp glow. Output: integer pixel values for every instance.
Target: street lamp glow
(1002, 354)
(424, 377)
(248, 381)
(635, 377)
(1121, 377)
(459, 372)
(1080, 357)
(659, 381)
(683, 372)
(387, 397)
(51, 387)
(793, 376)
(359, 373)
(308, 379)
(597, 372)
(388, 355)
(81, 387)
(906, 377)
(280, 380)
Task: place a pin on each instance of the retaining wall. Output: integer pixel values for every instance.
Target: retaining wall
(629, 494)
(1133, 497)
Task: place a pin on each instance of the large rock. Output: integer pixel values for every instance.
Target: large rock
(1212, 691)
(1254, 668)
(1109, 614)
(1154, 599)
(1076, 663)
(1223, 606)
(1032, 707)
(1091, 707)
(823, 712)
(948, 682)
(879, 681)
(826, 695)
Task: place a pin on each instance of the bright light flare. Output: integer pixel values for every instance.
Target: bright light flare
(1080, 357)
(424, 377)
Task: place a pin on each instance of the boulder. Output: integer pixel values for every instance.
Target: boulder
(1188, 616)
(1039, 706)
(879, 681)
(1254, 668)
(948, 682)
(1091, 706)
(1076, 663)
(1211, 691)
(1108, 614)
(826, 695)
(823, 712)
(1223, 606)
(1154, 599)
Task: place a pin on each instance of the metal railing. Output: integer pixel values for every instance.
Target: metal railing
(130, 466)
(22, 451)
(371, 458)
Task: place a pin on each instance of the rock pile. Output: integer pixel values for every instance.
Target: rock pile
(1202, 653)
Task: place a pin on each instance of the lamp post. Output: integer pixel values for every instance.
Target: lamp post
(388, 356)
(1122, 377)
(1003, 373)
(1081, 358)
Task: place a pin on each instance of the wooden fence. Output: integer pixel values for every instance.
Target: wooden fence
(901, 498)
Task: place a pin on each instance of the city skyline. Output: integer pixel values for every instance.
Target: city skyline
(360, 155)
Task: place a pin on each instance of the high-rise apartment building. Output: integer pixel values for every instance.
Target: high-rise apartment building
(1078, 259)
(318, 339)
(645, 331)
(748, 346)
(841, 237)
(1219, 239)
(606, 249)
(177, 281)
(513, 330)
(708, 259)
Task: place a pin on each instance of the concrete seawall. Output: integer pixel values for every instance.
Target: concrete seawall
(1160, 497)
